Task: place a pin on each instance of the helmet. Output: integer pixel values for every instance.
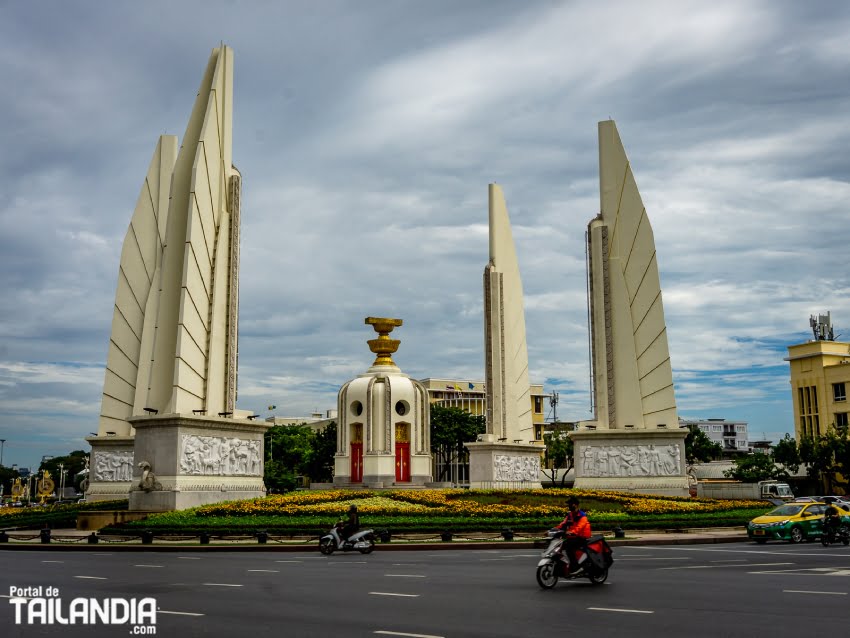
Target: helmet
(353, 508)
(572, 501)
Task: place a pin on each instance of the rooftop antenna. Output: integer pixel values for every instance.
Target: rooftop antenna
(553, 403)
(822, 327)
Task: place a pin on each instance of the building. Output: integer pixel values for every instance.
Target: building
(317, 421)
(732, 436)
(470, 396)
(820, 376)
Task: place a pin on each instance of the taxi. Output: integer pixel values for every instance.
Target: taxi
(793, 522)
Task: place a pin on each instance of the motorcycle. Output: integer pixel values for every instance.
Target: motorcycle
(835, 534)
(594, 559)
(363, 541)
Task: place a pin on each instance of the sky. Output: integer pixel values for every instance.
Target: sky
(367, 132)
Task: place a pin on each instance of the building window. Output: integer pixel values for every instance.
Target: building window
(841, 419)
(538, 405)
(838, 392)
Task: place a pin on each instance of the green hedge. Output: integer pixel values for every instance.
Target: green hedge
(183, 523)
(54, 516)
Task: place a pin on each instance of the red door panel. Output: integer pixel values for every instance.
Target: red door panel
(402, 462)
(356, 462)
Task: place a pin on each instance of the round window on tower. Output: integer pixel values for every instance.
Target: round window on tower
(402, 408)
(356, 408)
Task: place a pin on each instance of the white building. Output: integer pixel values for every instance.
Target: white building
(731, 435)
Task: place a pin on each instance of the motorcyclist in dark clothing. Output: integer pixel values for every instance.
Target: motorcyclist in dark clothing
(352, 525)
(832, 518)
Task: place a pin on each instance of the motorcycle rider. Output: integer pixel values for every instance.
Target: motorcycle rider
(352, 526)
(578, 531)
(831, 519)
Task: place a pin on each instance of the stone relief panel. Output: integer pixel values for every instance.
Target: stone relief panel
(631, 460)
(516, 468)
(113, 466)
(220, 456)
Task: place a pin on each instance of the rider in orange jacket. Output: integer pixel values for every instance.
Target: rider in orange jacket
(578, 531)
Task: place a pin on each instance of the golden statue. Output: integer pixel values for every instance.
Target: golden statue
(383, 346)
(17, 489)
(45, 486)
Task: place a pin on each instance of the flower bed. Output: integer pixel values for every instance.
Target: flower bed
(434, 511)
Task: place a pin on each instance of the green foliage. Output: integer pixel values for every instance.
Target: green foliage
(7, 477)
(828, 457)
(787, 455)
(753, 468)
(72, 463)
(559, 454)
(295, 451)
(54, 516)
(450, 429)
(699, 448)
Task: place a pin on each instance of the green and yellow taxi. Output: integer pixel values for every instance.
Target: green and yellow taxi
(793, 522)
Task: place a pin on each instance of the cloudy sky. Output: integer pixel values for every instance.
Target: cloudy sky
(367, 133)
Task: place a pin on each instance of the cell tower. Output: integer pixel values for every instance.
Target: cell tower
(822, 327)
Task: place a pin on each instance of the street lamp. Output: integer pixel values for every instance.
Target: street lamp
(2, 447)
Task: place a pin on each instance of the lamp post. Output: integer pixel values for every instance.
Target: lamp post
(2, 447)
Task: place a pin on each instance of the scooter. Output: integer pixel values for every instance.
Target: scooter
(363, 541)
(594, 559)
(835, 534)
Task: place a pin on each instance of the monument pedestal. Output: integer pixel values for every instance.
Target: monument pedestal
(185, 461)
(501, 465)
(642, 461)
(110, 469)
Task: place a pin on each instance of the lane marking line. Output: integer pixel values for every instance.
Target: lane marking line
(803, 591)
(148, 565)
(386, 593)
(625, 611)
(271, 571)
(189, 558)
(401, 633)
(92, 577)
(289, 561)
(16, 597)
(405, 575)
(53, 561)
(658, 558)
(716, 566)
(221, 585)
(178, 613)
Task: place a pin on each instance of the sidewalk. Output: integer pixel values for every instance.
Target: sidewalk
(75, 540)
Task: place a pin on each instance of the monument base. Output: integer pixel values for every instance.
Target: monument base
(110, 469)
(502, 465)
(641, 461)
(185, 461)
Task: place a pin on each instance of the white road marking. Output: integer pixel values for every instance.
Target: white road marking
(148, 565)
(289, 561)
(803, 591)
(656, 558)
(347, 562)
(271, 571)
(716, 566)
(53, 561)
(730, 560)
(625, 611)
(405, 575)
(386, 593)
(8, 596)
(491, 559)
(188, 558)
(221, 585)
(92, 577)
(400, 633)
(178, 613)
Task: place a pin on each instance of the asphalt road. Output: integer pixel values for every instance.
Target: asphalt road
(738, 589)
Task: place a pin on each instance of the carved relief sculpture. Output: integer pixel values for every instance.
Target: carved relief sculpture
(631, 460)
(516, 468)
(113, 466)
(220, 456)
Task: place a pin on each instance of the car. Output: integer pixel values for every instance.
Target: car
(793, 522)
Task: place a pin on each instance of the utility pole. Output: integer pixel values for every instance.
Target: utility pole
(2, 447)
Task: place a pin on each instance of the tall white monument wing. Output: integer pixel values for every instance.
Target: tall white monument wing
(133, 319)
(506, 353)
(633, 378)
(195, 349)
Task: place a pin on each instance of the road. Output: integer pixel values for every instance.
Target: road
(737, 589)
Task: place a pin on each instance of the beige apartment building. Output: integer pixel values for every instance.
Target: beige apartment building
(470, 396)
(820, 376)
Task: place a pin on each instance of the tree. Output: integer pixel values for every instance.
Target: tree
(827, 457)
(320, 461)
(450, 429)
(559, 454)
(698, 447)
(288, 449)
(72, 464)
(753, 468)
(787, 455)
(7, 478)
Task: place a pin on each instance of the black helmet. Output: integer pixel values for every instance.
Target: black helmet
(572, 501)
(352, 508)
